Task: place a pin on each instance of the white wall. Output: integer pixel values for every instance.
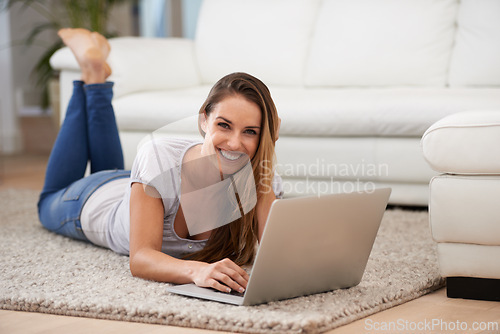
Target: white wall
(10, 138)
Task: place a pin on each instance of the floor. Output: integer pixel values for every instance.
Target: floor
(433, 313)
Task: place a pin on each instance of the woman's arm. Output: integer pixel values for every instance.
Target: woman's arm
(148, 262)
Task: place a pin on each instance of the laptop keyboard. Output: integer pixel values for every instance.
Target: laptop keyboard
(233, 292)
(236, 293)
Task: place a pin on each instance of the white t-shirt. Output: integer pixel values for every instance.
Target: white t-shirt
(96, 211)
(106, 215)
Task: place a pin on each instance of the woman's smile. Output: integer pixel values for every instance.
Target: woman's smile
(230, 155)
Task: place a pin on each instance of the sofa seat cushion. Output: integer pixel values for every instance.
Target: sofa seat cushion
(464, 143)
(464, 209)
(393, 112)
(468, 260)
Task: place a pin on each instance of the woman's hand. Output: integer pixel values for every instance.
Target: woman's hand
(224, 275)
(147, 261)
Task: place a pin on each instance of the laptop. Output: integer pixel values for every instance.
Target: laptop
(309, 245)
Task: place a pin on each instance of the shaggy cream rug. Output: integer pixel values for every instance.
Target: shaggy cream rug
(44, 272)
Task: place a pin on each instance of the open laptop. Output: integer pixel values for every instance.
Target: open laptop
(309, 245)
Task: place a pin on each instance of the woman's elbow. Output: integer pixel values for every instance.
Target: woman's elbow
(135, 266)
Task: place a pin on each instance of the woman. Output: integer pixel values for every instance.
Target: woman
(148, 212)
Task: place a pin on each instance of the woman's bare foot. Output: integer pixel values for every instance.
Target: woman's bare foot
(91, 55)
(102, 43)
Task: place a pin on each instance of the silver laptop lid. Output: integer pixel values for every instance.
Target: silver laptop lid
(315, 244)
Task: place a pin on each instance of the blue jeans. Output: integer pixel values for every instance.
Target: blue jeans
(89, 133)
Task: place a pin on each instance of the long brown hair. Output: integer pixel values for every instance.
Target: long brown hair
(237, 240)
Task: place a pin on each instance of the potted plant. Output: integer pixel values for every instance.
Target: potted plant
(57, 14)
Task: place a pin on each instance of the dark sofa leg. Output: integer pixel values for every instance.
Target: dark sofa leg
(473, 288)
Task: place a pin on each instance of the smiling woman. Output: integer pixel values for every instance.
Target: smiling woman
(239, 121)
(227, 179)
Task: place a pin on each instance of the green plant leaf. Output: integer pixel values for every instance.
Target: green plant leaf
(43, 71)
(37, 29)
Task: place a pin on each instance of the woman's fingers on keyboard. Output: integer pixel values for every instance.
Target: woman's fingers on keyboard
(231, 275)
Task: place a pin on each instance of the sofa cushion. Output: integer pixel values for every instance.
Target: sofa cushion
(402, 112)
(468, 260)
(464, 143)
(464, 209)
(267, 38)
(476, 57)
(394, 112)
(382, 43)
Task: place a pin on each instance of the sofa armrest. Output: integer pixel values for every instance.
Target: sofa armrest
(143, 64)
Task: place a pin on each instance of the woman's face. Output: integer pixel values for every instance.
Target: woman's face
(232, 133)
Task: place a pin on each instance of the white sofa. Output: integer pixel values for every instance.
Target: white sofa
(356, 82)
(463, 206)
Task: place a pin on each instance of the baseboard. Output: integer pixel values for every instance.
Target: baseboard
(473, 288)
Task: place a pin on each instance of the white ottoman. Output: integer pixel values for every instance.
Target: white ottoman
(464, 204)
